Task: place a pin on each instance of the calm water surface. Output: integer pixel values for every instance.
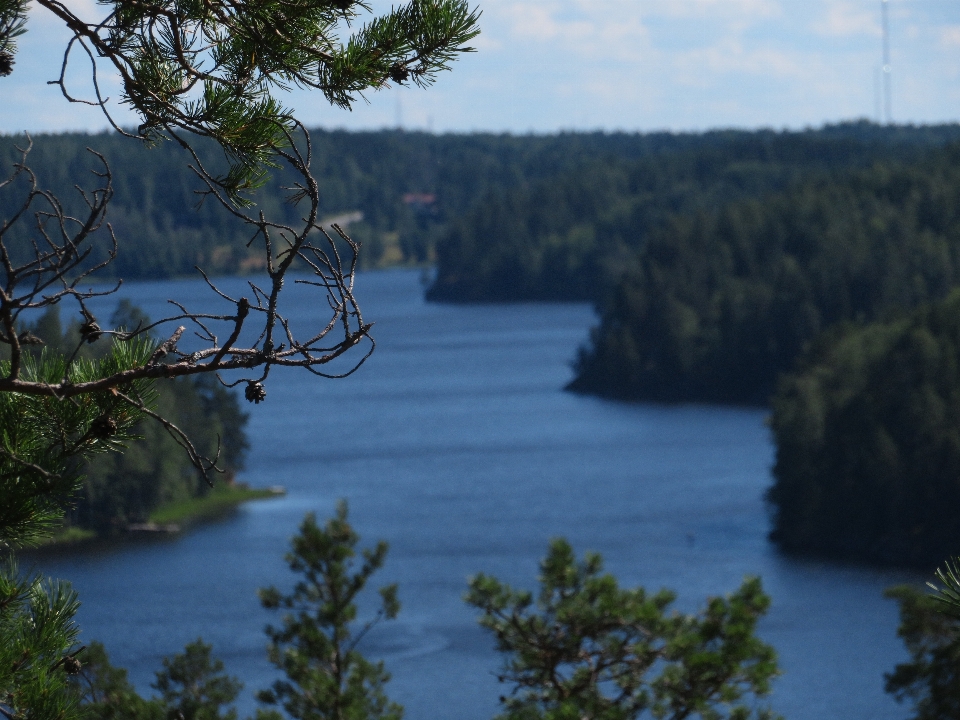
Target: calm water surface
(456, 444)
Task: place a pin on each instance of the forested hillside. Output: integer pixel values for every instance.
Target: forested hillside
(722, 300)
(868, 442)
(571, 234)
(715, 258)
(406, 186)
(505, 217)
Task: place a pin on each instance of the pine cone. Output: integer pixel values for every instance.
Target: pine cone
(103, 427)
(399, 73)
(255, 392)
(90, 331)
(71, 665)
(6, 63)
(28, 338)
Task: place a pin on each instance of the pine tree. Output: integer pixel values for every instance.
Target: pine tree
(931, 678)
(585, 648)
(37, 634)
(193, 687)
(194, 72)
(316, 643)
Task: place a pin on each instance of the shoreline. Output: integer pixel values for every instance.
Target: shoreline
(171, 520)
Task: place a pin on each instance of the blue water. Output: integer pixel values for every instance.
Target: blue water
(456, 444)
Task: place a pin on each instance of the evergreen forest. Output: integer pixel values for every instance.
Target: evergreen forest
(717, 262)
(867, 430)
(814, 272)
(504, 217)
(571, 235)
(720, 301)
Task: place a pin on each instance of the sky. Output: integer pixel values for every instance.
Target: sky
(635, 65)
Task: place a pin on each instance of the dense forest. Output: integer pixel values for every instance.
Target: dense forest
(716, 260)
(120, 488)
(504, 217)
(720, 301)
(571, 234)
(405, 186)
(868, 442)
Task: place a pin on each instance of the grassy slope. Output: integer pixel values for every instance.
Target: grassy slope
(217, 503)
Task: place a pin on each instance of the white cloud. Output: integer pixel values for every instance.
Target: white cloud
(844, 19)
(632, 64)
(569, 25)
(707, 66)
(750, 10)
(950, 37)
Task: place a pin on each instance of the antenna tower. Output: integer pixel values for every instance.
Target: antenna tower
(887, 99)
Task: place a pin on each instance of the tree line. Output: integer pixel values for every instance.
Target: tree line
(406, 185)
(504, 217)
(867, 429)
(572, 234)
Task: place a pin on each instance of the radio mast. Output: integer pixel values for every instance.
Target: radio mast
(887, 99)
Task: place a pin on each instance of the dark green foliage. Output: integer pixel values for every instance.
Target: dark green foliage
(315, 645)
(37, 641)
(720, 302)
(44, 440)
(13, 20)
(219, 412)
(931, 679)
(128, 481)
(868, 442)
(163, 230)
(500, 203)
(947, 594)
(569, 233)
(193, 687)
(106, 694)
(124, 487)
(584, 647)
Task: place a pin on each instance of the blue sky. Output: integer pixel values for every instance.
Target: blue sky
(548, 65)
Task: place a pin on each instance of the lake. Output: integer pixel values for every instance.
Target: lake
(456, 443)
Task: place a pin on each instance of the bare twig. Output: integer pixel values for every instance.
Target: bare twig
(204, 464)
(50, 277)
(60, 256)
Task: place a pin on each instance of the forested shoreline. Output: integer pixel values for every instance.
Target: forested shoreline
(407, 186)
(718, 303)
(717, 262)
(126, 486)
(572, 235)
(867, 430)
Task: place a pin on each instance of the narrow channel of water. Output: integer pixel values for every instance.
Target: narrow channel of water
(456, 444)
